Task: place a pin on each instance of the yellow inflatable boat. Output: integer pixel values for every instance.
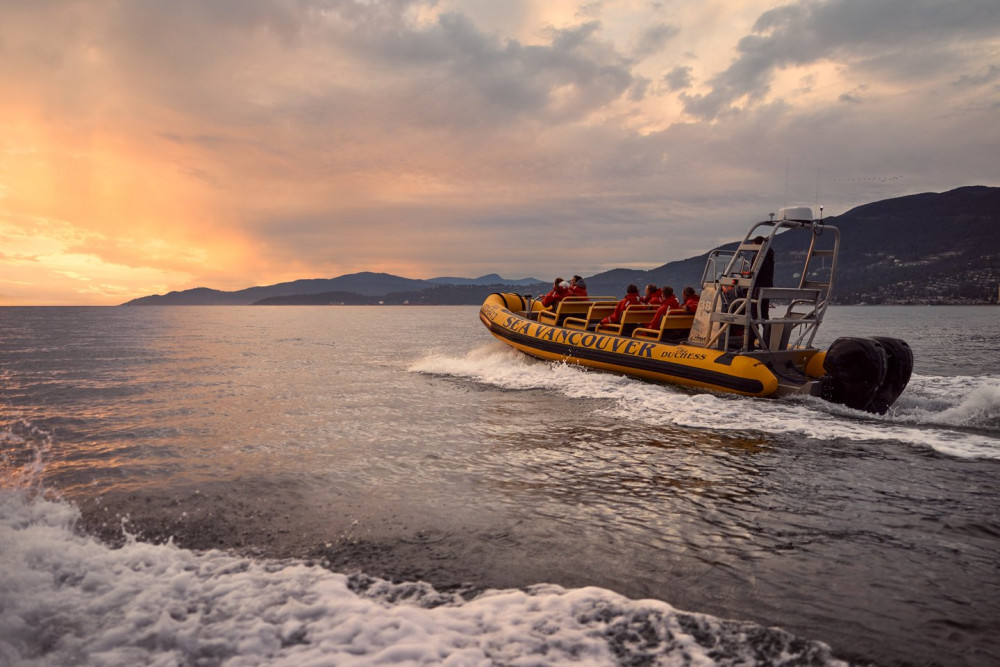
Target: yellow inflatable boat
(747, 337)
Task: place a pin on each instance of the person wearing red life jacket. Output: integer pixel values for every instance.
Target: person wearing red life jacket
(690, 300)
(653, 295)
(631, 298)
(560, 290)
(669, 303)
(577, 286)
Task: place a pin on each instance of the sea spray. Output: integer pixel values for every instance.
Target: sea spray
(68, 599)
(927, 414)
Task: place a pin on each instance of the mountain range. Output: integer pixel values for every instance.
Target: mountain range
(355, 288)
(922, 248)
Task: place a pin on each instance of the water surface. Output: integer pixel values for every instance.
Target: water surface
(406, 444)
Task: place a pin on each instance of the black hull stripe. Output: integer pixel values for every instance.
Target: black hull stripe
(722, 380)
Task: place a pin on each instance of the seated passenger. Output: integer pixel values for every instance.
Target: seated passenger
(669, 303)
(653, 295)
(690, 300)
(577, 286)
(560, 290)
(631, 298)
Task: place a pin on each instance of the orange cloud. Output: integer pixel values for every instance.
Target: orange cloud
(113, 216)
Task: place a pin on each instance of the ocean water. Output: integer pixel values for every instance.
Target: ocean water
(389, 485)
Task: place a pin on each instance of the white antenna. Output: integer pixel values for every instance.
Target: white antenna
(817, 186)
(787, 160)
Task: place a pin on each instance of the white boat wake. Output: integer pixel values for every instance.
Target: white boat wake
(957, 416)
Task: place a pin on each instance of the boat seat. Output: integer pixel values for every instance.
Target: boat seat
(598, 311)
(673, 327)
(777, 334)
(631, 318)
(570, 305)
(804, 295)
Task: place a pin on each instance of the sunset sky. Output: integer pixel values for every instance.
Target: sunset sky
(149, 146)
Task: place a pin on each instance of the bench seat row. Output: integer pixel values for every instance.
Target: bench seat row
(586, 313)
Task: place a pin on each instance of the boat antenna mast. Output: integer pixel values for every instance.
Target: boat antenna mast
(787, 163)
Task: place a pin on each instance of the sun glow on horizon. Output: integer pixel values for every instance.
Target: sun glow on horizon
(105, 218)
(278, 141)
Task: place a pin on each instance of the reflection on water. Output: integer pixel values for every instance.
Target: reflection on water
(378, 440)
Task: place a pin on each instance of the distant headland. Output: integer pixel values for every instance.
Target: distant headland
(929, 248)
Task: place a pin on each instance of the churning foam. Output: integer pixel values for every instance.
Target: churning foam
(68, 599)
(958, 416)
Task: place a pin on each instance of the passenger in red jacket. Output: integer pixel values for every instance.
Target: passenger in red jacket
(690, 300)
(653, 295)
(669, 303)
(631, 298)
(560, 290)
(577, 286)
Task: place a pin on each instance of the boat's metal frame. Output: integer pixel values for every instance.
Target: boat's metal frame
(732, 315)
(806, 303)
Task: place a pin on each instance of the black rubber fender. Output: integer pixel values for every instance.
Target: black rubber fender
(899, 367)
(856, 369)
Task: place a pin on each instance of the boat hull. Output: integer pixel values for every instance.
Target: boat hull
(505, 315)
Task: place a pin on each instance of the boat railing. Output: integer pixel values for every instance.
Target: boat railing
(735, 308)
(742, 324)
(798, 325)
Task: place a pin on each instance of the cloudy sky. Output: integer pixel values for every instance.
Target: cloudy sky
(148, 146)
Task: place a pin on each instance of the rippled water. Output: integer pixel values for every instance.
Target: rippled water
(405, 443)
